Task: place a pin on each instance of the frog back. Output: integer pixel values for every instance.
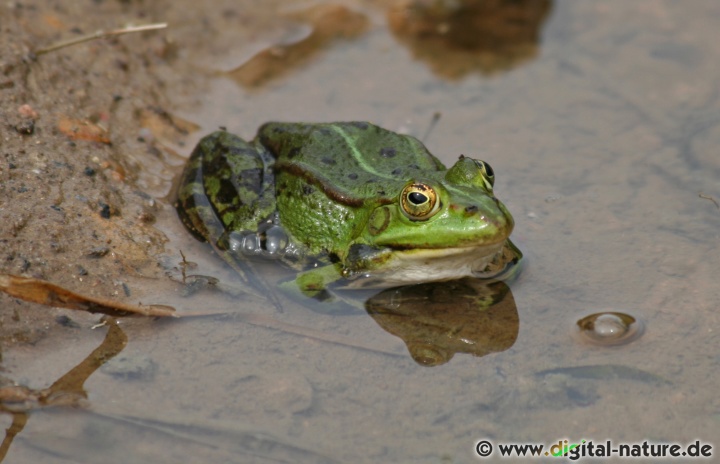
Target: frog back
(352, 162)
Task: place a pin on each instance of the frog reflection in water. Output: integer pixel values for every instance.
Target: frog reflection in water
(436, 320)
(348, 205)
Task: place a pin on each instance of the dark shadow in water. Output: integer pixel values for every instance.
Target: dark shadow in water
(118, 439)
(456, 38)
(68, 390)
(437, 320)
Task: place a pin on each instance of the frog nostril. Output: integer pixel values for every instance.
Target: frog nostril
(472, 209)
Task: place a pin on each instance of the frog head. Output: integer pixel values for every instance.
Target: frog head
(437, 227)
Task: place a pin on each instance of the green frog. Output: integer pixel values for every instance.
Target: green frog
(346, 204)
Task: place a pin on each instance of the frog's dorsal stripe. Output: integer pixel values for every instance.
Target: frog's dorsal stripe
(356, 153)
(458, 193)
(463, 196)
(312, 176)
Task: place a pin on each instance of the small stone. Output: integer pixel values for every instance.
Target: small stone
(27, 111)
(105, 211)
(98, 252)
(65, 321)
(26, 127)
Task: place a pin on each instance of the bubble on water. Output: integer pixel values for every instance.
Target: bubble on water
(609, 328)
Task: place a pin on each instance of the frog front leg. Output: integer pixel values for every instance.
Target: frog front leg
(314, 288)
(334, 287)
(312, 283)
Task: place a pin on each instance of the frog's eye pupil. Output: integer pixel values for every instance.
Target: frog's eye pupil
(417, 198)
(487, 173)
(483, 166)
(489, 170)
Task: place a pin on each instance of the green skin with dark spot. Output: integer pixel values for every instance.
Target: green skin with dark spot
(336, 187)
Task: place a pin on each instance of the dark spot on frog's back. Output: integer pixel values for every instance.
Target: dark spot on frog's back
(251, 179)
(352, 176)
(293, 152)
(388, 152)
(396, 172)
(327, 160)
(307, 189)
(325, 131)
(227, 195)
(360, 125)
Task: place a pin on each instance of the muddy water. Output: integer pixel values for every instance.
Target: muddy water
(602, 140)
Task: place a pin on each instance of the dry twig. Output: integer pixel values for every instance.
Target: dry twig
(708, 197)
(99, 35)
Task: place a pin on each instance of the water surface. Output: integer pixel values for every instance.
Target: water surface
(602, 140)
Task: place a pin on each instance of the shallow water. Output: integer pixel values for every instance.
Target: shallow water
(601, 144)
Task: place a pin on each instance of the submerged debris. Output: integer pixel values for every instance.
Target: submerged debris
(606, 372)
(49, 294)
(81, 129)
(69, 390)
(708, 197)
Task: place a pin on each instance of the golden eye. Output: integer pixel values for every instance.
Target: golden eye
(419, 201)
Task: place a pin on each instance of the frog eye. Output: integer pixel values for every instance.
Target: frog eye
(487, 173)
(419, 201)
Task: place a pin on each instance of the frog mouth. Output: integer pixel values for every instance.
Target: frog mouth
(406, 267)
